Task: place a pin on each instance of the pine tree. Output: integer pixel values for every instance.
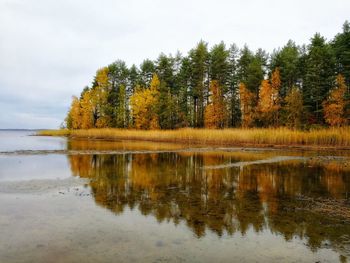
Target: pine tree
(184, 105)
(233, 96)
(219, 65)
(147, 70)
(319, 75)
(121, 109)
(287, 61)
(199, 77)
(341, 48)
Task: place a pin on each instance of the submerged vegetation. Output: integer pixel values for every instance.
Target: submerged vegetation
(299, 87)
(229, 137)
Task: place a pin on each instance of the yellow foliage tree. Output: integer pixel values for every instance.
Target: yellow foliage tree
(334, 107)
(275, 97)
(99, 98)
(87, 118)
(294, 108)
(144, 106)
(247, 99)
(74, 115)
(214, 116)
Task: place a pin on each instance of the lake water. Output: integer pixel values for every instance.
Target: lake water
(97, 201)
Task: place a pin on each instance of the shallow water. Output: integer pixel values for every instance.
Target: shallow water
(156, 202)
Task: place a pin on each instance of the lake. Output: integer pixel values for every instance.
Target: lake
(66, 200)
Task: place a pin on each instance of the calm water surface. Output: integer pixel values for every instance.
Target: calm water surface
(163, 203)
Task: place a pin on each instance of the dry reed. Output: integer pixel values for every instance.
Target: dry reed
(339, 137)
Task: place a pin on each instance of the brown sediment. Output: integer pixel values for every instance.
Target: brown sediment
(337, 208)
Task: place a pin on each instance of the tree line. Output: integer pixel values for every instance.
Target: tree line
(224, 86)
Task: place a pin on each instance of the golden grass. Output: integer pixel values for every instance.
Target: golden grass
(61, 132)
(339, 137)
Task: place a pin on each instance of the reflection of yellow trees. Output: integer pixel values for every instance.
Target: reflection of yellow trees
(175, 187)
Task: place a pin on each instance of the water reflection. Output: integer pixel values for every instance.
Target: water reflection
(175, 187)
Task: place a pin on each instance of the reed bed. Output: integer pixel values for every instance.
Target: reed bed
(339, 137)
(61, 132)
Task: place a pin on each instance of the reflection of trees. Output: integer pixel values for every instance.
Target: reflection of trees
(173, 186)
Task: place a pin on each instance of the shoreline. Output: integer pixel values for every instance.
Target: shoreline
(214, 144)
(281, 138)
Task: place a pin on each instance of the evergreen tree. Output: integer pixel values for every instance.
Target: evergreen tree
(185, 107)
(341, 47)
(233, 94)
(319, 76)
(133, 80)
(287, 60)
(219, 65)
(147, 70)
(118, 75)
(245, 59)
(199, 78)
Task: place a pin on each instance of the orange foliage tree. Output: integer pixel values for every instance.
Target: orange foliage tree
(265, 102)
(334, 107)
(214, 116)
(144, 106)
(247, 101)
(275, 97)
(269, 101)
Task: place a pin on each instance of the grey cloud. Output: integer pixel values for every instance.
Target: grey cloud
(49, 50)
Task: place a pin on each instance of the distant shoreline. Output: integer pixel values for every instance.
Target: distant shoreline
(25, 129)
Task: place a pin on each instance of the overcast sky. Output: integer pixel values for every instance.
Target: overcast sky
(50, 49)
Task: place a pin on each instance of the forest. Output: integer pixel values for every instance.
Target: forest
(296, 86)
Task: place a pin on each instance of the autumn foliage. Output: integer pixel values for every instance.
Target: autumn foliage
(215, 112)
(222, 87)
(335, 104)
(294, 108)
(247, 100)
(144, 106)
(269, 100)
